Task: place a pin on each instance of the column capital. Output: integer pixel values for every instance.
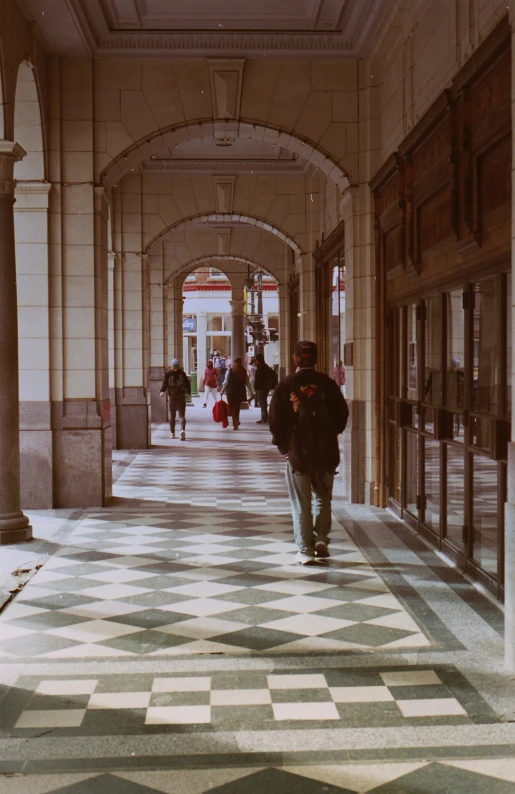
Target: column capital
(10, 153)
(32, 195)
(237, 306)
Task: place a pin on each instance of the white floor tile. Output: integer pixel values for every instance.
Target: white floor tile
(119, 700)
(240, 697)
(178, 715)
(410, 678)
(297, 681)
(432, 707)
(305, 711)
(182, 684)
(67, 687)
(361, 694)
(65, 718)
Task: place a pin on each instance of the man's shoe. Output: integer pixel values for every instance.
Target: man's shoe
(204, 405)
(260, 422)
(305, 559)
(183, 435)
(321, 550)
(172, 435)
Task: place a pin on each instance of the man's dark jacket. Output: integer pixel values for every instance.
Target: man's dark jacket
(262, 377)
(282, 415)
(184, 378)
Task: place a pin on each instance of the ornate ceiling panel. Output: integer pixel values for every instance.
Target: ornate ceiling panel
(207, 27)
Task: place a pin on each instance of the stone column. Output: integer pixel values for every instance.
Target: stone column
(509, 512)
(14, 525)
(158, 335)
(36, 443)
(359, 440)
(284, 330)
(201, 346)
(238, 327)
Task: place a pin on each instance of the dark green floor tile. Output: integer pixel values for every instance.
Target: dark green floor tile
(250, 596)
(180, 699)
(147, 641)
(353, 677)
(359, 612)
(47, 620)
(35, 644)
(148, 619)
(257, 639)
(105, 784)
(371, 715)
(420, 692)
(347, 594)
(60, 601)
(255, 615)
(239, 679)
(249, 580)
(437, 778)
(275, 781)
(113, 721)
(156, 599)
(135, 682)
(69, 585)
(235, 717)
(301, 696)
(246, 566)
(373, 636)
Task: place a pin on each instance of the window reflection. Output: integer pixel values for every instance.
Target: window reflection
(455, 476)
(485, 513)
(412, 353)
(432, 484)
(455, 365)
(412, 473)
(485, 365)
(337, 271)
(432, 351)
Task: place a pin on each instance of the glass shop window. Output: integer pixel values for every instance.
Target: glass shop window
(486, 354)
(411, 353)
(432, 351)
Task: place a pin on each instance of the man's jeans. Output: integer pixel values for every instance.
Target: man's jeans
(178, 404)
(304, 489)
(262, 395)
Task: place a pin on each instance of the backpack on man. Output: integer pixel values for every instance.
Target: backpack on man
(312, 430)
(271, 379)
(176, 387)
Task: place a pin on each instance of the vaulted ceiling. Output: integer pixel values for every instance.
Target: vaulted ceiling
(206, 27)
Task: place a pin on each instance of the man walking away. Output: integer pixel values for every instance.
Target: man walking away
(210, 383)
(307, 413)
(265, 381)
(177, 385)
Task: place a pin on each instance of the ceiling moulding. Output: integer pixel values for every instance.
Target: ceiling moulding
(226, 78)
(223, 241)
(226, 166)
(224, 193)
(241, 43)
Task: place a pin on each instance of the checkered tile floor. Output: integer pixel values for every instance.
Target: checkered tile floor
(198, 582)
(125, 662)
(250, 700)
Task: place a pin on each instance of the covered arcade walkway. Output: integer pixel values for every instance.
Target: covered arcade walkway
(169, 643)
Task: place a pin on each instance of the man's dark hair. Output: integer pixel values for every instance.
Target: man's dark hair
(306, 353)
(260, 359)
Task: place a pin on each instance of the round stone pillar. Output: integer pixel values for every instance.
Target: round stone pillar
(238, 329)
(14, 526)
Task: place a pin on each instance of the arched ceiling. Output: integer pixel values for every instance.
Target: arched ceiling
(245, 244)
(218, 222)
(227, 147)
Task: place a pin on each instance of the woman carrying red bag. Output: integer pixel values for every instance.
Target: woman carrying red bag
(235, 385)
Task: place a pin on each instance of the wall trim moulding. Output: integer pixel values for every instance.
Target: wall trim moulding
(225, 166)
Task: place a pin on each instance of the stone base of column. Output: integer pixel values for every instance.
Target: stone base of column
(36, 456)
(157, 403)
(14, 529)
(133, 420)
(82, 453)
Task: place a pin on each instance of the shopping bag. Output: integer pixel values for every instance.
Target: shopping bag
(221, 411)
